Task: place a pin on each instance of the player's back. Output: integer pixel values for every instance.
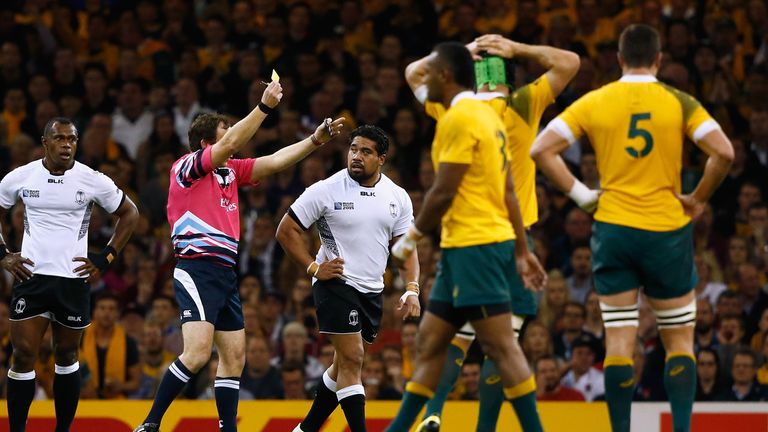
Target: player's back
(471, 133)
(637, 126)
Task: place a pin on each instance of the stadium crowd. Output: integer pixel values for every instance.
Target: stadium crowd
(133, 75)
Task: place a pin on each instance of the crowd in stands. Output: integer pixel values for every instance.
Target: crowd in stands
(133, 75)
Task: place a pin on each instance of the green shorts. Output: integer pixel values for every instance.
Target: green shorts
(474, 275)
(626, 258)
(523, 300)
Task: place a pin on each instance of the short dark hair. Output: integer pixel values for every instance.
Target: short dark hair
(458, 59)
(107, 295)
(546, 357)
(373, 133)
(639, 45)
(48, 129)
(204, 128)
(293, 366)
(744, 351)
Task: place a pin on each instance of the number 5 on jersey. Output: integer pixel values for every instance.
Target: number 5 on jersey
(639, 132)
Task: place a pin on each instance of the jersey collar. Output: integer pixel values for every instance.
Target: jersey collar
(638, 78)
(466, 94)
(489, 96)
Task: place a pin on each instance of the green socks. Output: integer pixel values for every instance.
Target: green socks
(619, 378)
(680, 383)
(447, 380)
(416, 395)
(491, 397)
(523, 398)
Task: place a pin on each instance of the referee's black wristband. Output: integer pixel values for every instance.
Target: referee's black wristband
(265, 109)
(103, 259)
(3, 251)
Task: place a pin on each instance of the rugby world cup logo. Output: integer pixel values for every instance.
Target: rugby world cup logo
(21, 304)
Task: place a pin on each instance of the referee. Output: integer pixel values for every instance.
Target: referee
(52, 268)
(359, 213)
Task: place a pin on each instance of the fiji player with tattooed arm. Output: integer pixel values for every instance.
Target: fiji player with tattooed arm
(52, 269)
(521, 110)
(203, 211)
(643, 235)
(359, 212)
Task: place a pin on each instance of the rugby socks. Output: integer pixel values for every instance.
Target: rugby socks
(523, 398)
(352, 401)
(66, 394)
(680, 383)
(173, 382)
(227, 392)
(448, 379)
(21, 391)
(323, 406)
(619, 389)
(416, 395)
(491, 397)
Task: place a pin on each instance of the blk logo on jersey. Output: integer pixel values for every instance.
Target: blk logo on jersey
(369, 194)
(56, 181)
(75, 318)
(80, 197)
(21, 304)
(353, 318)
(343, 206)
(30, 193)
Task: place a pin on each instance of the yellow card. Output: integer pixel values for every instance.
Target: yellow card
(275, 76)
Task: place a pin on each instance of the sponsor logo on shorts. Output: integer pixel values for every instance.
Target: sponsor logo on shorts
(75, 318)
(30, 193)
(353, 318)
(343, 205)
(186, 314)
(21, 304)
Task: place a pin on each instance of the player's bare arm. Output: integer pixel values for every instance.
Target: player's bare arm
(720, 151)
(291, 155)
(546, 152)
(528, 266)
(241, 132)
(290, 236)
(436, 202)
(13, 262)
(127, 218)
(561, 65)
(409, 301)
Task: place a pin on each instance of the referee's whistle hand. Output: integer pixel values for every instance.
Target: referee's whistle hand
(332, 269)
(14, 263)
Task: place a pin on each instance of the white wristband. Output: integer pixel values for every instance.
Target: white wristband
(585, 197)
(406, 295)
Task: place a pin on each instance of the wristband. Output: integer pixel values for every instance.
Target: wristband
(412, 287)
(103, 259)
(406, 295)
(585, 197)
(3, 251)
(266, 109)
(313, 268)
(315, 141)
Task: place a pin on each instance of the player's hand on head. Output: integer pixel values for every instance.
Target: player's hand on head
(692, 206)
(87, 269)
(329, 129)
(474, 50)
(531, 271)
(332, 269)
(14, 264)
(497, 45)
(410, 306)
(272, 94)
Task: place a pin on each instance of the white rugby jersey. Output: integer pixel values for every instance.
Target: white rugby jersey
(356, 224)
(57, 212)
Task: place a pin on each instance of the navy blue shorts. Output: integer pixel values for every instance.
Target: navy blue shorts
(208, 292)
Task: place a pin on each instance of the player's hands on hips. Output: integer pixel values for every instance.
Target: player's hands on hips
(692, 206)
(272, 94)
(497, 45)
(405, 245)
(410, 306)
(530, 270)
(332, 269)
(13, 263)
(88, 269)
(329, 129)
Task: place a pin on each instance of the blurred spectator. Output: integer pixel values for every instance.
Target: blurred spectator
(548, 386)
(536, 342)
(580, 282)
(594, 319)
(165, 311)
(187, 107)
(259, 376)
(731, 337)
(753, 296)
(154, 361)
(574, 316)
(294, 342)
(583, 376)
(470, 380)
(271, 317)
(709, 382)
(578, 229)
(376, 381)
(745, 388)
(706, 336)
(408, 342)
(112, 356)
(706, 289)
(553, 301)
(131, 122)
(294, 381)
